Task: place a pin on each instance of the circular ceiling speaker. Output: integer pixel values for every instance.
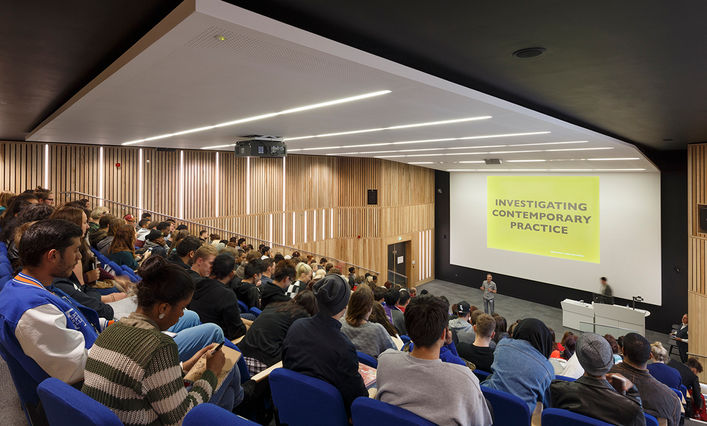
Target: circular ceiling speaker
(529, 52)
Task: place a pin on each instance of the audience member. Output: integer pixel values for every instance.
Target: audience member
(215, 302)
(399, 314)
(102, 231)
(203, 235)
(570, 344)
(304, 275)
(418, 381)
(133, 368)
(15, 205)
(461, 326)
(665, 374)
(688, 376)
(658, 399)
(44, 330)
(268, 266)
(274, 291)
(378, 316)
(44, 196)
(479, 352)
(368, 337)
(247, 289)
(352, 277)
(607, 397)
(95, 217)
(155, 243)
(521, 367)
(316, 347)
(262, 345)
(104, 245)
(390, 298)
(203, 260)
(501, 328)
(143, 229)
(122, 248)
(614, 348)
(184, 252)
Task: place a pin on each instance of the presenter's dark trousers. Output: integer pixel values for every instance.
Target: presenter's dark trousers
(489, 306)
(682, 348)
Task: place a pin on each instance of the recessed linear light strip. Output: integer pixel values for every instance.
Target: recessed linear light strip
(398, 127)
(262, 116)
(573, 159)
(465, 138)
(439, 149)
(488, 152)
(545, 170)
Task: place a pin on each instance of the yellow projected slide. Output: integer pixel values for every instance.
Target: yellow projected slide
(556, 216)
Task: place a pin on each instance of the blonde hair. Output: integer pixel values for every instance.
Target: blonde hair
(659, 352)
(205, 251)
(319, 274)
(303, 269)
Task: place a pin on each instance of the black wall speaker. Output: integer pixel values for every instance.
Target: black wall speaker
(702, 216)
(372, 197)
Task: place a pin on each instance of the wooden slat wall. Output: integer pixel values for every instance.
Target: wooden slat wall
(332, 189)
(697, 252)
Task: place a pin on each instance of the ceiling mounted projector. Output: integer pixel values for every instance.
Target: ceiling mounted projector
(492, 160)
(260, 146)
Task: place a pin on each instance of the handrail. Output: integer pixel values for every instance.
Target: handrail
(221, 230)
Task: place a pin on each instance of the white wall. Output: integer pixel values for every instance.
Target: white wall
(630, 238)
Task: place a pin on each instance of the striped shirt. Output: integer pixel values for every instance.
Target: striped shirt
(134, 370)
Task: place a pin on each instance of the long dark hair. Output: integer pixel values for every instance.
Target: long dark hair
(303, 302)
(378, 315)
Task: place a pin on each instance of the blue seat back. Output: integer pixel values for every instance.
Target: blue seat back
(242, 306)
(65, 405)
(367, 359)
(24, 383)
(371, 412)
(507, 409)
(683, 390)
(305, 401)
(678, 393)
(255, 311)
(650, 420)
(405, 338)
(481, 374)
(565, 378)
(558, 417)
(210, 414)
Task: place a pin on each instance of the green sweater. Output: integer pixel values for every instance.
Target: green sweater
(134, 370)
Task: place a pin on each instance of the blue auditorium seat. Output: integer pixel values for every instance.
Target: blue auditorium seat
(255, 311)
(507, 409)
(565, 378)
(371, 412)
(650, 420)
(367, 359)
(242, 306)
(67, 406)
(210, 414)
(305, 401)
(558, 417)
(25, 385)
(481, 374)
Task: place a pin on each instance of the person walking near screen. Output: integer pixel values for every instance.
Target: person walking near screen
(489, 288)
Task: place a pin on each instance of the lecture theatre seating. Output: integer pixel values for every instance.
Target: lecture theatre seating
(507, 409)
(297, 397)
(67, 406)
(210, 414)
(371, 412)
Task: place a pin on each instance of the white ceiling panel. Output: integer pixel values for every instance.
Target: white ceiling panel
(219, 63)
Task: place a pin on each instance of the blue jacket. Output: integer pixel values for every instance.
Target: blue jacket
(521, 370)
(22, 294)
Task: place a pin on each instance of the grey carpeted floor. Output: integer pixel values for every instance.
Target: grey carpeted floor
(513, 309)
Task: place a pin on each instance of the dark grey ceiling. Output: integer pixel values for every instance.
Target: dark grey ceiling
(633, 70)
(50, 49)
(636, 70)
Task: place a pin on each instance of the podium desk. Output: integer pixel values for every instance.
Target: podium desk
(621, 317)
(574, 312)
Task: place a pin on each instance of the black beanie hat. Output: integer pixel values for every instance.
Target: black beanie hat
(332, 294)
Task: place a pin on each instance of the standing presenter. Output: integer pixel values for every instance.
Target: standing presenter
(489, 288)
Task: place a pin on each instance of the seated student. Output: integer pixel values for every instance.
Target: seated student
(570, 344)
(102, 231)
(480, 353)
(399, 313)
(183, 254)
(143, 229)
(461, 325)
(133, 367)
(420, 382)
(501, 328)
(122, 249)
(94, 218)
(688, 375)
(104, 245)
(304, 276)
(664, 373)
(368, 337)
(316, 347)
(614, 348)
(658, 399)
(268, 266)
(247, 289)
(608, 397)
(391, 299)
(215, 302)
(520, 364)
(203, 260)
(155, 243)
(262, 345)
(274, 291)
